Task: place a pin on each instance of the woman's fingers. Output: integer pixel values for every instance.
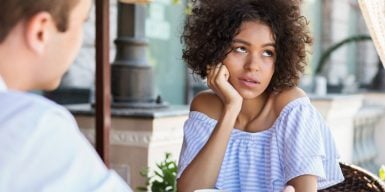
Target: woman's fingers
(217, 74)
(209, 76)
(217, 69)
(223, 73)
(218, 81)
(212, 73)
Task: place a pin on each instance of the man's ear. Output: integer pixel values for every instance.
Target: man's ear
(39, 29)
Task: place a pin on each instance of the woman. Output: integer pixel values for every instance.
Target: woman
(255, 130)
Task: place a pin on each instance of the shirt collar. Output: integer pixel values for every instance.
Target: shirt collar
(3, 87)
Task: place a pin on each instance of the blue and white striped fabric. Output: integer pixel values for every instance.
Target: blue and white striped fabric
(298, 143)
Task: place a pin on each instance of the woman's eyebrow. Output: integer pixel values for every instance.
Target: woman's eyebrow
(241, 41)
(268, 44)
(247, 43)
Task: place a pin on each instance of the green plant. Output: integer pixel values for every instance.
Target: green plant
(381, 173)
(188, 7)
(163, 179)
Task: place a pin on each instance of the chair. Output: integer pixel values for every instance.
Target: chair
(357, 180)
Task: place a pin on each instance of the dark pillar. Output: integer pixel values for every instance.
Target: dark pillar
(102, 106)
(131, 75)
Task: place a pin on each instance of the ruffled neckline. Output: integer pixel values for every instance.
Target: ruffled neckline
(203, 117)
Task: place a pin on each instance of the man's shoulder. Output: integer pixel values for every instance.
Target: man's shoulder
(43, 135)
(28, 100)
(26, 106)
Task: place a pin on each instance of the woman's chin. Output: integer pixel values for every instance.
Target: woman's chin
(250, 95)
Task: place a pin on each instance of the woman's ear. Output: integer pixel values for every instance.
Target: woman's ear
(39, 29)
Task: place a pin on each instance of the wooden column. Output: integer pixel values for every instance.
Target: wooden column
(102, 87)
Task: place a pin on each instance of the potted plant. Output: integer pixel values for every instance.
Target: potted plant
(163, 179)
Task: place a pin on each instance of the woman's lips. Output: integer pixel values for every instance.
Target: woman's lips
(248, 82)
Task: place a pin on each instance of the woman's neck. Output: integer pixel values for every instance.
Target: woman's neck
(252, 108)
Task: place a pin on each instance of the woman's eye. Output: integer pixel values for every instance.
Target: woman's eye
(268, 53)
(240, 49)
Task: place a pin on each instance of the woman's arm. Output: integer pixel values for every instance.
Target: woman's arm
(304, 183)
(203, 170)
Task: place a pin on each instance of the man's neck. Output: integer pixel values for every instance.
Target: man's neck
(15, 60)
(14, 70)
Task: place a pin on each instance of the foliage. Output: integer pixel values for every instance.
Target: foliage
(325, 55)
(188, 7)
(163, 179)
(382, 173)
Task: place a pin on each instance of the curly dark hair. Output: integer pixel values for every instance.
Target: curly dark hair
(212, 25)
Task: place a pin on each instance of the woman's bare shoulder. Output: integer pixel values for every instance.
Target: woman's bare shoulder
(207, 102)
(282, 98)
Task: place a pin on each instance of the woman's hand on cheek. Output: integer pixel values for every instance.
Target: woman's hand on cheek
(218, 81)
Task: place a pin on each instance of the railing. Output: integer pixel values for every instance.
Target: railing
(364, 145)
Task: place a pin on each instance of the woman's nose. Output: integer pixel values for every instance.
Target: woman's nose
(253, 63)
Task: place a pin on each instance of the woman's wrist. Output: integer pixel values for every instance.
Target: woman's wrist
(233, 107)
(231, 112)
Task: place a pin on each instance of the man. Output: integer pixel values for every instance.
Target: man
(41, 148)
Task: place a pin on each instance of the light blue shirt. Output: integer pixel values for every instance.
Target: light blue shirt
(42, 149)
(298, 143)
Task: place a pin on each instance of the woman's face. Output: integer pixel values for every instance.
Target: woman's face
(251, 59)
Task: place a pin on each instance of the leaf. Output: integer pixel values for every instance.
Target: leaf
(164, 178)
(141, 188)
(144, 172)
(175, 2)
(382, 173)
(158, 174)
(188, 9)
(157, 186)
